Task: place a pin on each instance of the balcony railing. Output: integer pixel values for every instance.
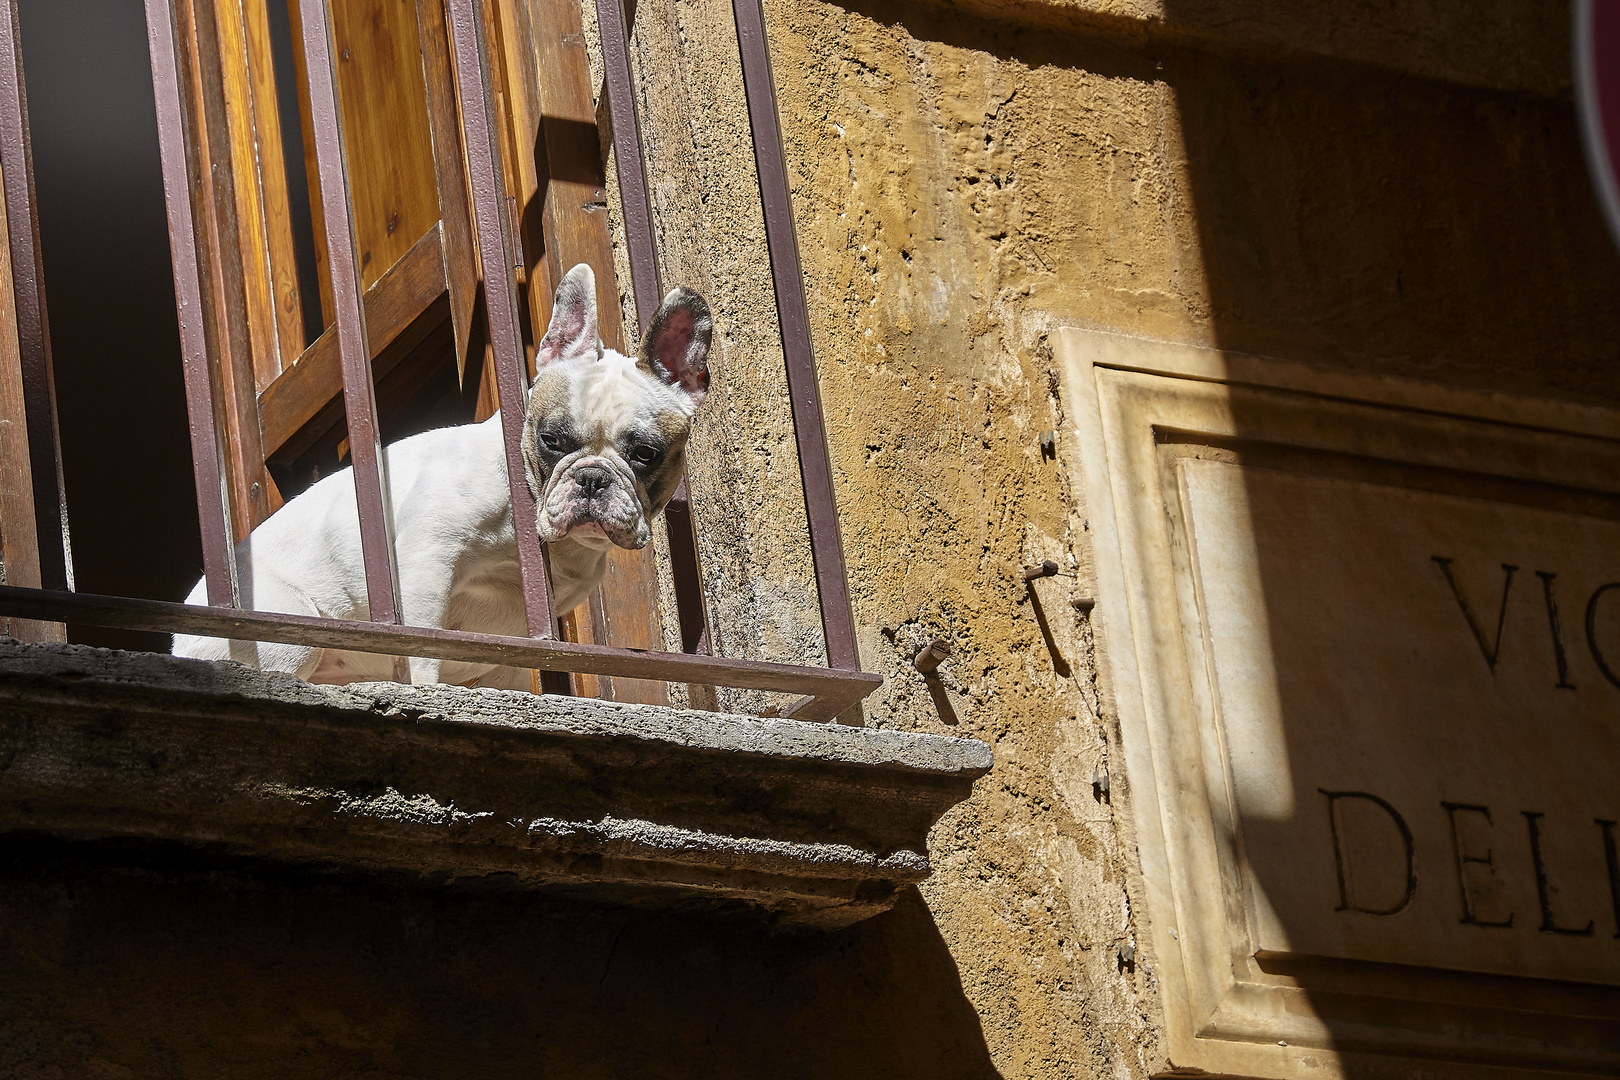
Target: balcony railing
(39, 593)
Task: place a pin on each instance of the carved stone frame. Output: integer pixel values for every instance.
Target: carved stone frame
(1229, 1007)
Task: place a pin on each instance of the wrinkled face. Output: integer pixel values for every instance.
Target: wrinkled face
(609, 442)
(604, 436)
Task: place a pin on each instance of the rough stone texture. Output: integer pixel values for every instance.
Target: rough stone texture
(1381, 187)
(1245, 732)
(1388, 188)
(815, 823)
(1501, 44)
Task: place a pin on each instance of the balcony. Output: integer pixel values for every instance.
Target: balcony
(299, 350)
(368, 205)
(806, 824)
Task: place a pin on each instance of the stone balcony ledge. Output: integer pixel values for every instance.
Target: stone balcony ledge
(817, 824)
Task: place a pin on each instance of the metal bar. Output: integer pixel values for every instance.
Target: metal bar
(804, 393)
(835, 690)
(684, 572)
(648, 288)
(19, 535)
(449, 178)
(33, 325)
(637, 207)
(359, 396)
(179, 177)
(1045, 569)
(500, 297)
(935, 653)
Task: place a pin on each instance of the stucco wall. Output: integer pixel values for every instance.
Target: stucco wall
(1386, 188)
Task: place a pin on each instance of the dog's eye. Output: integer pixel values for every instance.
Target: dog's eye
(644, 455)
(550, 441)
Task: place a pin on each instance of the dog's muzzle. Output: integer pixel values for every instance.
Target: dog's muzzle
(590, 499)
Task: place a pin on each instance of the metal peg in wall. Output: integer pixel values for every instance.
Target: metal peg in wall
(928, 661)
(1045, 569)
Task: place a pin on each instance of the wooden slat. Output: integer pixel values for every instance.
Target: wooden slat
(252, 236)
(634, 201)
(520, 125)
(455, 216)
(387, 141)
(17, 535)
(523, 183)
(280, 252)
(44, 460)
(575, 225)
(576, 626)
(182, 175)
(575, 210)
(501, 112)
(629, 615)
(359, 395)
(19, 541)
(832, 691)
(383, 97)
(688, 580)
(301, 392)
(495, 245)
(232, 299)
(530, 184)
(312, 178)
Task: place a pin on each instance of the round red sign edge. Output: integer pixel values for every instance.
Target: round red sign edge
(1596, 48)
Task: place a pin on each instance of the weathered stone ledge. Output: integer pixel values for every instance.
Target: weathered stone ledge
(815, 823)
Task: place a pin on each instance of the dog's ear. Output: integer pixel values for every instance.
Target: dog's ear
(572, 332)
(676, 348)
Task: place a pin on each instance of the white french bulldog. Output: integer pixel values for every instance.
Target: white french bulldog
(604, 440)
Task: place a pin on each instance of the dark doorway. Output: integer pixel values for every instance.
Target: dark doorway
(110, 297)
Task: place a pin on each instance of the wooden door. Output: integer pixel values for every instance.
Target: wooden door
(281, 390)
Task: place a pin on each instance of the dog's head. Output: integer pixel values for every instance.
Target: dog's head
(604, 438)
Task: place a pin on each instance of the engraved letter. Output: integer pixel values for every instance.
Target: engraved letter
(1470, 917)
(1340, 864)
(1591, 631)
(1490, 652)
(1563, 682)
(1612, 857)
(1542, 889)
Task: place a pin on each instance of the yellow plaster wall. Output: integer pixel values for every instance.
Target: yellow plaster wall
(1391, 188)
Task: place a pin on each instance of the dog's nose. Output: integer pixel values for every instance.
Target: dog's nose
(592, 480)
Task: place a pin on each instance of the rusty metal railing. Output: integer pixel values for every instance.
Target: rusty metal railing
(32, 507)
(44, 593)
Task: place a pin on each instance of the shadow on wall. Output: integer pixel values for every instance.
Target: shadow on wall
(1361, 218)
(148, 962)
(1364, 219)
(1351, 215)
